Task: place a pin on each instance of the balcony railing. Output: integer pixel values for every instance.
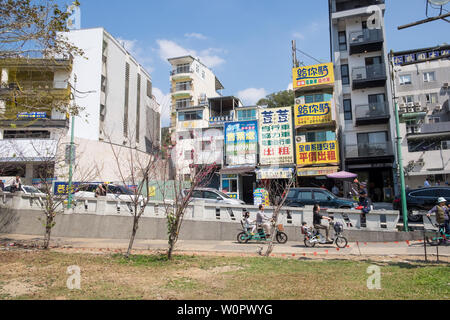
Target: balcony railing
(181, 71)
(183, 88)
(355, 4)
(366, 40)
(365, 150)
(38, 85)
(369, 76)
(372, 112)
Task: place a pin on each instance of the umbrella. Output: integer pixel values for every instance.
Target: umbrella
(343, 175)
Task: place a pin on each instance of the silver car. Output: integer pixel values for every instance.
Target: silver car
(210, 195)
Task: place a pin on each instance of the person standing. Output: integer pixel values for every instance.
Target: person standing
(426, 183)
(2, 185)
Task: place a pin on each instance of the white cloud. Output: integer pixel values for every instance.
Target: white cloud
(290, 86)
(164, 101)
(170, 49)
(298, 35)
(139, 53)
(251, 96)
(195, 35)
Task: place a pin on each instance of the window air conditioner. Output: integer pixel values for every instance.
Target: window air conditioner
(445, 85)
(418, 109)
(410, 109)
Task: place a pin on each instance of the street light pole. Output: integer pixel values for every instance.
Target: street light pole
(399, 151)
(69, 190)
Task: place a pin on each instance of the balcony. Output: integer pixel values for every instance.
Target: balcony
(181, 72)
(366, 41)
(375, 113)
(41, 119)
(369, 150)
(355, 4)
(371, 76)
(28, 87)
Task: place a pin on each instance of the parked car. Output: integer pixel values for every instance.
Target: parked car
(300, 197)
(113, 192)
(210, 195)
(27, 190)
(421, 200)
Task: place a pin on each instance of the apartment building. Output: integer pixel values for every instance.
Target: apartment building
(192, 85)
(363, 93)
(34, 95)
(422, 87)
(115, 92)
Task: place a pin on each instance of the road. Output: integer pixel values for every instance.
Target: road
(414, 248)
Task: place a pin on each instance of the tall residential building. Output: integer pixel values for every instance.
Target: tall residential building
(192, 85)
(34, 95)
(422, 87)
(363, 91)
(116, 93)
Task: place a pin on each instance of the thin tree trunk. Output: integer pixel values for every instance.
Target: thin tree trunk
(48, 231)
(133, 235)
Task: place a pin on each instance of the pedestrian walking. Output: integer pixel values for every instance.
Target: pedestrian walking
(427, 183)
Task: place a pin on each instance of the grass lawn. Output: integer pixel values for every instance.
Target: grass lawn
(42, 275)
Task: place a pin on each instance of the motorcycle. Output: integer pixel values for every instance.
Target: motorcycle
(313, 237)
(245, 235)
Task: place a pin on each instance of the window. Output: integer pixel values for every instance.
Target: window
(345, 74)
(342, 41)
(206, 145)
(188, 155)
(405, 79)
(138, 107)
(183, 68)
(196, 193)
(26, 134)
(230, 183)
(348, 109)
(313, 98)
(183, 103)
(247, 114)
(203, 74)
(190, 115)
(320, 196)
(149, 88)
(291, 194)
(320, 136)
(431, 97)
(434, 119)
(210, 195)
(183, 86)
(429, 76)
(127, 91)
(408, 99)
(424, 193)
(304, 195)
(103, 84)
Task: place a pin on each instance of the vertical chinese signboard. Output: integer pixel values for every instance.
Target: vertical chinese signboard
(320, 74)
(312, 113)
(276, 136)
(310, 153)
(241, 143)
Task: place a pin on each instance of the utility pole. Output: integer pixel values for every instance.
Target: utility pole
(294, 54)
(69, 200)
(399, 149)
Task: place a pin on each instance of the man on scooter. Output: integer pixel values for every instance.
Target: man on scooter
(317, 220)
(262, 220)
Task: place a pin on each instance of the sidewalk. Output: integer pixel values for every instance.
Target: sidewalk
(414, 248)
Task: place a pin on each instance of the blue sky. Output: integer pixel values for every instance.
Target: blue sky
(247, 43)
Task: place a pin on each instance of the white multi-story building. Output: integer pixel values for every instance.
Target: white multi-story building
(115, 92)
(422, 86)
(192, 85)
(364, 94)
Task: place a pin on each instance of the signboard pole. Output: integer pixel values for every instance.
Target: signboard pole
(69, 200)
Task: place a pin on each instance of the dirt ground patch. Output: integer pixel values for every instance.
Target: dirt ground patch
(16, 288)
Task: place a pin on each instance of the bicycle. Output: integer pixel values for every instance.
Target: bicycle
(245, 236)
(438, 240)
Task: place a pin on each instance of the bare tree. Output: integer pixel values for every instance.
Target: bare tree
(137, 168)
(278, 192)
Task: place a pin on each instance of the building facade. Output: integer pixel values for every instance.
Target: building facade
(422, 86)
(363, 94)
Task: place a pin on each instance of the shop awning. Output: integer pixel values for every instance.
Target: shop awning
(428, 173)
(274, 173)
(342, 175)
(316, 171)
(237, 170)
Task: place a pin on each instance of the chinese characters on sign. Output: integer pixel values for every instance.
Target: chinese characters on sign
(32, 115)
(313, 75)
(276, 136)
(241, 142)
(310, 153)
(313, 113)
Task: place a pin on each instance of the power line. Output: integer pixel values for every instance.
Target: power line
(309, 56)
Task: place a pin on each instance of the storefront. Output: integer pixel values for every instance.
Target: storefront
(238, 182)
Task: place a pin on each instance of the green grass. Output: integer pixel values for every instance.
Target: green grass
(216, 277)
